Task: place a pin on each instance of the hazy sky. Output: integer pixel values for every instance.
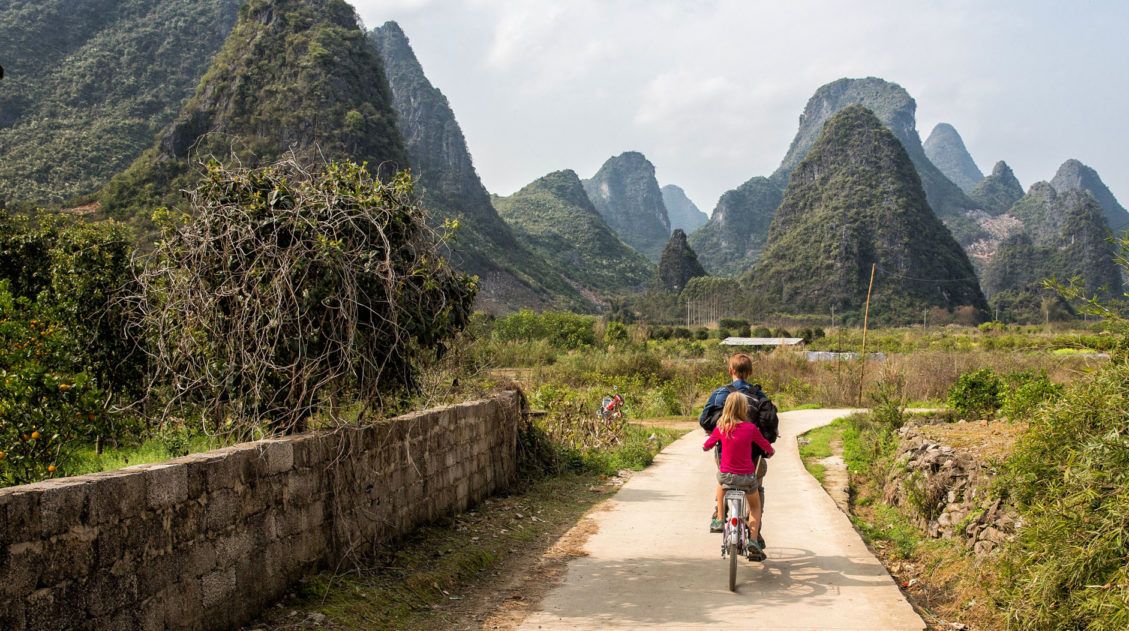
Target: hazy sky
(711, 90)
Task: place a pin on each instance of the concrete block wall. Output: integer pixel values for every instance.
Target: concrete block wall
(207, 541)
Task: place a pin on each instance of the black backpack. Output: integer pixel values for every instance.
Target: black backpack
(762, 412)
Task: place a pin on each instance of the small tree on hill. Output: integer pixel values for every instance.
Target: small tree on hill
(283, 293)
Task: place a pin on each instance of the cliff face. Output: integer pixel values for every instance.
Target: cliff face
(683, 213)
(996, 193)
(294, 77)
(1075, 176)
(512, 275)
(945, 149)
(627, 196)
(89, 83)
(678, 264)
(554, 218)
(897, 111)
(1064, 236)
(733, 238)
(854, 200)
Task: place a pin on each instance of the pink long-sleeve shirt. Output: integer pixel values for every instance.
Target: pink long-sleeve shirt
(737, 448)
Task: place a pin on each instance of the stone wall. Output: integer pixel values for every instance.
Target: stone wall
(208, 540)
(949, 493)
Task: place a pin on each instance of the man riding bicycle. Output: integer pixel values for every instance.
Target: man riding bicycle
(762, 413)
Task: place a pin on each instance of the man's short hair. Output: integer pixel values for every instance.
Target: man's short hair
(741, 365)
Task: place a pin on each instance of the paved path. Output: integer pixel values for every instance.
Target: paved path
(652, 564)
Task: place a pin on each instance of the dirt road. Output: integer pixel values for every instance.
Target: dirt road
(652, 563)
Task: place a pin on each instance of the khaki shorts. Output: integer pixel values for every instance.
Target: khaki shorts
(762, 466)
(742, 482)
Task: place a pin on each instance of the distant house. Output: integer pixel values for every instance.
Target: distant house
(762, 342)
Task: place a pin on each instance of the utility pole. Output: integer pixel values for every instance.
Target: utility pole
(865, 323)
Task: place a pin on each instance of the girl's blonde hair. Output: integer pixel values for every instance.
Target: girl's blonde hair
(736, 410)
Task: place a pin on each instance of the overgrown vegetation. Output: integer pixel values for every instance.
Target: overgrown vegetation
(65, 355)
(286, 293)
(88, 85)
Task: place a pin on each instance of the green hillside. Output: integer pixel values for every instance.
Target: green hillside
(1064, 236)
(627, 196)
(854, 200)
(89, 83)
(294, 76)
(733, 238)
(678, 264)
(898, 112)
(996, 193)
(554, 217)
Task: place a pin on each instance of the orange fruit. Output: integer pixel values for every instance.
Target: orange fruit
(51, 469)
(35, 435)
(64, 387)
(2, 454)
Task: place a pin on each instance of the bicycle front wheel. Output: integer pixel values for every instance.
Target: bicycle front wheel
(733, 567)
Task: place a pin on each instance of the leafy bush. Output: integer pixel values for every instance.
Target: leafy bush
(1069, 475)
(1026, 392)
(561, 329)
(701, 334)
(681, 333)
(616, 332)
(732, 323)
(762, 331)
(976, 393)
(48, 404)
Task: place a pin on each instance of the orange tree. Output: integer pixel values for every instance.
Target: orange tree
(48, 403)
(66, 354)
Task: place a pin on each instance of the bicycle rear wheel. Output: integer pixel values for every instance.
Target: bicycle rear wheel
(733, 567)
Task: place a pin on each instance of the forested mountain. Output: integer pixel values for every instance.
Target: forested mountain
(856, 199)
(89, 83)
(945, 149)
(1075, 176)
(294, 76)
(996, 193)
(554, 218)
(1064, 236)
(732, 240)
(512, 275)
(678, 264)
(897, 111)
(627, 196)
(683, 213)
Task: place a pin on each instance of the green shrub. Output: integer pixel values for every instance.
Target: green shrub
(976, 393)
(1026, 392)
(762, 331)
(743, 331)
(733, 323)
(48, 404)
(1069, 475)
(561, 329)
(701, 334)
(681, 333)
(616, 333)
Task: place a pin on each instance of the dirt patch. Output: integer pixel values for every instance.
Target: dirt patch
(836, 481)
(987, 441)
(484, 568)
(517, 599)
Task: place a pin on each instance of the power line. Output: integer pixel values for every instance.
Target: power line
(928, 280)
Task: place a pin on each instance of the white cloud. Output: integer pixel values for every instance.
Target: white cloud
(711, 90)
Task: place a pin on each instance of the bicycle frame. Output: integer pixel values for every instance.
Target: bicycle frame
(736, 528)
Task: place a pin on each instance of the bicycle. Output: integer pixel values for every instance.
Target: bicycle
(611, 410)
(735, 533)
